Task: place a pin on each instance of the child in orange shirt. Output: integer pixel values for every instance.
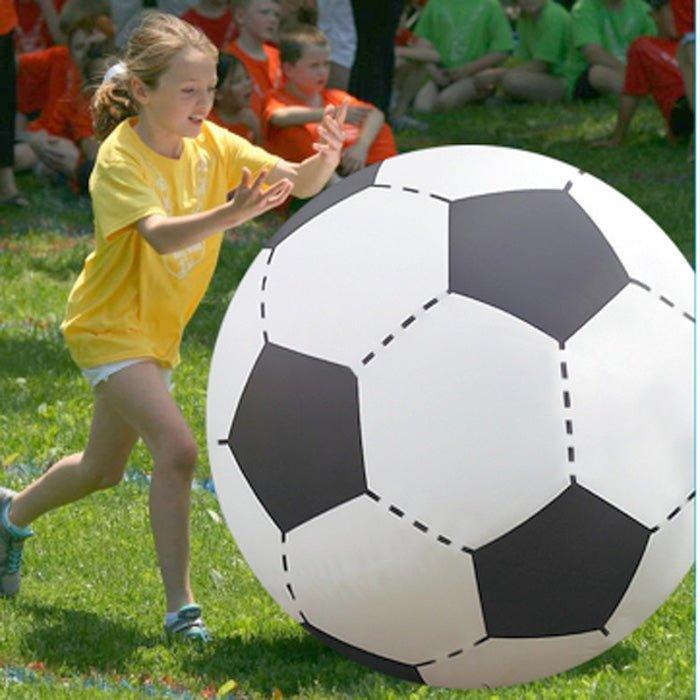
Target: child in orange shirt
(61, 139)
(215, 19)
(258, 22)
(37, 27)
(292, 115)
(232, 102)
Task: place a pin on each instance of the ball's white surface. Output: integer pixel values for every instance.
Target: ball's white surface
(462, 417)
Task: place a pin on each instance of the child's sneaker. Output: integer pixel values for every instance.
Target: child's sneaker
(188, 625)
(11, 545)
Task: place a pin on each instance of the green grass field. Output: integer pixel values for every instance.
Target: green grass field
(87, 622)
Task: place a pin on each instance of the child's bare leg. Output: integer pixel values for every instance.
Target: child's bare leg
(488, 80)
(409, 79)
(74, 477)
(457, 94)
(25, 158)
(606, 80)
(536, 87)
(140, 395)
(426, 97)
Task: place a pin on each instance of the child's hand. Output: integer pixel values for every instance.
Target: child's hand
(250, 201)
(330, 132)
(357, 115)
(353, 159)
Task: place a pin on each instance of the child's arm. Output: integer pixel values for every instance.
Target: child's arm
(596, 54)
(534, 66)
(168, 234)
(420, 50)
(296, 116)
(355, 157)
(488, 60)
(48, 11)
(311, 175)
(625, 114)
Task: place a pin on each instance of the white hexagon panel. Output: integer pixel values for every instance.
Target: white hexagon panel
(450, 416)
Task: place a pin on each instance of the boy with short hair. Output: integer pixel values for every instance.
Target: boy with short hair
(544, 29)
(602, 31)
(456, 41)
(258, 22)
(215, 19)
(292, 115)
(652, 69)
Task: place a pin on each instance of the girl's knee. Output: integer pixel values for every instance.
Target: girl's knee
(178, 456)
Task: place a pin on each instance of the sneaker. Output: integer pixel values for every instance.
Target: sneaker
(188, 625)
(11, 545)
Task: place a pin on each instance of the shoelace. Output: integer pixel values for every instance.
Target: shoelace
(14, 556)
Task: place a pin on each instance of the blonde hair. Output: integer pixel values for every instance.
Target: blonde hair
(149, 51)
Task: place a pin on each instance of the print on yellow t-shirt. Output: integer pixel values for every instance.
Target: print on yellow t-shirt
(130, 301)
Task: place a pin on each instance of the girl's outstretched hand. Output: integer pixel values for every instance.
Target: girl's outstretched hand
(330, 133)
(249, 200)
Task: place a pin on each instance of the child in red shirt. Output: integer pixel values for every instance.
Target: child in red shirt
(215, 19)
(51, 81)
(37, 27)
(232, 102)
(258, 22)
(652, 69)
(292, 115)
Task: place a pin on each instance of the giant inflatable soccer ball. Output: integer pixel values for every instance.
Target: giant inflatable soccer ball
(450, 416)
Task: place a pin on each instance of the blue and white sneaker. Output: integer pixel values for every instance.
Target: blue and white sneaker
(188, 625)
(11, 545)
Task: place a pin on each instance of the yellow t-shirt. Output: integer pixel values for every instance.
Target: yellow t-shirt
(130, 301)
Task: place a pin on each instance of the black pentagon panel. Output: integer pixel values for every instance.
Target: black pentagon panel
(562, 571)
(534, 254)
(325, 200)
(378, 663)
(296, 435)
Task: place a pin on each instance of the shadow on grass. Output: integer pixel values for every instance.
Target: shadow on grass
(621, 655)
(80, 640)
(84, 642)
(45, 353)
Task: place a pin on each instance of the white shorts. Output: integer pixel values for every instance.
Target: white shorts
(336, 21)
(102, 373)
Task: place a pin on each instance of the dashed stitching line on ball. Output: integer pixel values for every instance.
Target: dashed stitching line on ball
(676, 511)
(285, 572)
(663, 299)
(409, 320)
(417, 524)
(411, 190)
(564, 373)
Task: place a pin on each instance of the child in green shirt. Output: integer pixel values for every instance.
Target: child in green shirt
(457, 40)
(544, 30)
(602, 32)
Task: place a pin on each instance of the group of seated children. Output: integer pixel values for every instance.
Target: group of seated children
(289, 90)
(460, 51)
(273, 82)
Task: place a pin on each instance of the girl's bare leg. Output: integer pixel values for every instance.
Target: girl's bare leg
(140, 396)
(99, 467)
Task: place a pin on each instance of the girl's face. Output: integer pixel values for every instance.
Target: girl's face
(531, 7)
(184, 95)
(236, 89)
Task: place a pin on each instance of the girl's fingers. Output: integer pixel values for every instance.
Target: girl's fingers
(245, 179)
(259, 180)
(334, 128)
(342, 113)
(331, 139)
